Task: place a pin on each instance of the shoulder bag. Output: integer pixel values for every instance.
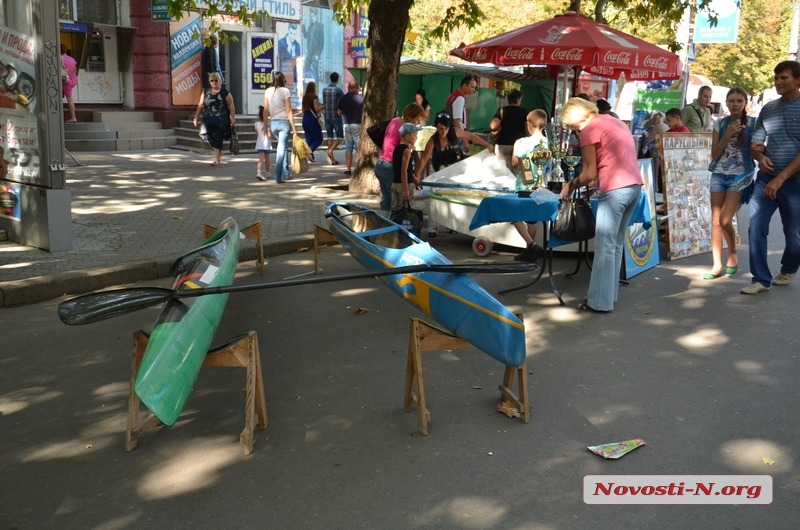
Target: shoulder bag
(234, 142)
(298, 162)
(377, 131)
(574, 220)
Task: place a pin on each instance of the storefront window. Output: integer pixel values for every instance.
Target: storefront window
(98, 11)
(65, 10)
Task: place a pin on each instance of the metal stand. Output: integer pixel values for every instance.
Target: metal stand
(77, 163)
(547, 262)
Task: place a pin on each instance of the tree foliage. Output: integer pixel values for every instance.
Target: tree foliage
(212, 8)
(762, 43)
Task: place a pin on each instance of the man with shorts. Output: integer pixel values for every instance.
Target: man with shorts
(351, 106)
(331, 95)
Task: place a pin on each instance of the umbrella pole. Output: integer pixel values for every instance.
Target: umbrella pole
(562, 91)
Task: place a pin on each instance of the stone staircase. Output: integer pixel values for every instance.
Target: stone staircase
(187, 137)
(118, 130)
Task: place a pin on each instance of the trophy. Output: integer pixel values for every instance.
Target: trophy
(558, 140)
(540, 156)
(572, 161)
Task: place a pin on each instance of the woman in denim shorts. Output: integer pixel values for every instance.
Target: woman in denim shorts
(731, 175)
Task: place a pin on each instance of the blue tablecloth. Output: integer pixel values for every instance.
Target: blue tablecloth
(511, 208)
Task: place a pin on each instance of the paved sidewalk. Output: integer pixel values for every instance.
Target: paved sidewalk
(133, 213)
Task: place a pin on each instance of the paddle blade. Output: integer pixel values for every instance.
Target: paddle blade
(95, 307)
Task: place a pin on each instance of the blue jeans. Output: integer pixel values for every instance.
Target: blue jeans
(385, 175)
(280, 129)
(787, 202)
(614, 211)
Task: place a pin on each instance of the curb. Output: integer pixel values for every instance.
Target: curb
(41, 288)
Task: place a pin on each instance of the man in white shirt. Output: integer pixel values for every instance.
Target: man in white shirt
(456, 105)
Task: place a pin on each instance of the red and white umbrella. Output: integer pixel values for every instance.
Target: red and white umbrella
(575, 40)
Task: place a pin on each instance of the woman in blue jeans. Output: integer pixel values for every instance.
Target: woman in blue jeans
(384, 172)
(278, 109)
(609, 157)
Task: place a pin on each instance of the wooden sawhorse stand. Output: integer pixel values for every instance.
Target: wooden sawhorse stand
(424, 336)
(251, 232)
(322, 236)
(241, 352)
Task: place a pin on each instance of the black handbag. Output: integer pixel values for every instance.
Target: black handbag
(409, 218)
(574, 220)
(377, 131)
(234, 142)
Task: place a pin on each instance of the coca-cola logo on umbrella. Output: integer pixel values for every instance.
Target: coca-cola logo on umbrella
(554, 34)
(524, 54)
(571, 55)
(618, 58)
(659, 63)
(576, 40)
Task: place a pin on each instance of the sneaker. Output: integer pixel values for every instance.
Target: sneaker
(536, 251)
(260, 176)
(530, 254)
(784, 278)
(755, 288)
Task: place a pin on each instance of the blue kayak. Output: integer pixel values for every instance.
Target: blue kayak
(454, 301)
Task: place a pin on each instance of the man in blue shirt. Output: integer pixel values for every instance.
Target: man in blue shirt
(331, 95)
(776, 148)
(351, 107)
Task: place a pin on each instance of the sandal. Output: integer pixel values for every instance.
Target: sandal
(586, 307)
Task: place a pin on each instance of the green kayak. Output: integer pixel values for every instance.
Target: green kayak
(184, 329)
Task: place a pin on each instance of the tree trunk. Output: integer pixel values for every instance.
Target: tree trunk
(388, 20)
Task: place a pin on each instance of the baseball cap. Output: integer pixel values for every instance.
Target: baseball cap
(408, 128)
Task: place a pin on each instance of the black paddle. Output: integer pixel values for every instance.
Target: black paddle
(94, 307)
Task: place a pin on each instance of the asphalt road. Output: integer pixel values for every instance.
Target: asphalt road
(706, 376)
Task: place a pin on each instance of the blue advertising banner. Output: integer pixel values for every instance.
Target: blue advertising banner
(641, 244)
(358, 48)
(262, 57)
(727, 13)
(185, 60)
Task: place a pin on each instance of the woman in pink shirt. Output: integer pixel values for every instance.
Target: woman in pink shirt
(609, 157)
(384, 172)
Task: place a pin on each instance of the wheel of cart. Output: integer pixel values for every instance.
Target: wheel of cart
(481, 246)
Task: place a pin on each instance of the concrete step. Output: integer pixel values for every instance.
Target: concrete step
(102, 116)
(90, 145)
(145, 144)
(147, 133)
(133, 125)
(91, 135)
(81, 127)
(196, 144)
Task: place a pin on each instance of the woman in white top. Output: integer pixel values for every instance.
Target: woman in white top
(278, 110)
